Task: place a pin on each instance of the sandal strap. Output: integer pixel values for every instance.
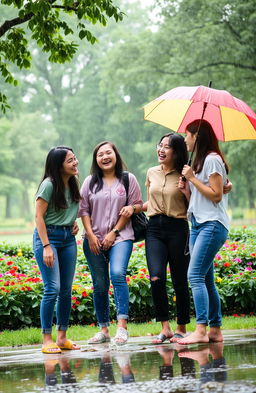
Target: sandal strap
(99, 337)
(122, 334)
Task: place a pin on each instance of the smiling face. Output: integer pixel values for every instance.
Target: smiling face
(106, 158)
(190, 140)
(164, 152)
(69, 166)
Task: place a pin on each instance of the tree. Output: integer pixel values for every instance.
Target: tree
(47, 23)
(24, 142)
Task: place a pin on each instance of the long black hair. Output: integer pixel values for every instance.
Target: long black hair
(53, 166)
(96, 171)
(206, 142)
(180, 153)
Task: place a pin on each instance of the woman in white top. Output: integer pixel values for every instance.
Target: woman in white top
(210, 223)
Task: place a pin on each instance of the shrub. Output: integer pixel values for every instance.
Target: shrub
(21, 285)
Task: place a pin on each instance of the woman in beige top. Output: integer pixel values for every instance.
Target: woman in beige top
(167, 235)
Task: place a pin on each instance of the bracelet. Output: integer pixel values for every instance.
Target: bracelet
(48, 244)
(134, 208)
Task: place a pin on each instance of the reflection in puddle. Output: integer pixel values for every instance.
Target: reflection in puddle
(135, 367)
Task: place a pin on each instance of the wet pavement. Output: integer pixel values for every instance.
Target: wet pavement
(137, 366)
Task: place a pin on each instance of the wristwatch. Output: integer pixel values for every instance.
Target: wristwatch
(116, 231)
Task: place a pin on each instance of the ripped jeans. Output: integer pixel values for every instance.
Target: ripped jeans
(167, 242)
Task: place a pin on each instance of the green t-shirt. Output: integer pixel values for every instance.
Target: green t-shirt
(60, 217)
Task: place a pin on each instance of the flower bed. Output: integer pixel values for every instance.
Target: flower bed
(21, 285)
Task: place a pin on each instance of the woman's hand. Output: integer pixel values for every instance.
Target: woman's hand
(187, 172)
(227, 187)
(127, 211)
(94, 244)
(48, 256)
(75, 229)
(108, 240)
(184, 187)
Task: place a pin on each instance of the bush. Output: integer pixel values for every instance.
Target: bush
(21, 285)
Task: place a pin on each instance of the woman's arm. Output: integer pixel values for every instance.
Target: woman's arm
(128, 211)
(213, 192)
(110, 237)
(93, 241)
(41, 208)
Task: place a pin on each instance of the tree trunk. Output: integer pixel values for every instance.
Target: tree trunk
(25, 207)
(8, 213)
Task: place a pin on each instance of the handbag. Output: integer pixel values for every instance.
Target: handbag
(139, 220)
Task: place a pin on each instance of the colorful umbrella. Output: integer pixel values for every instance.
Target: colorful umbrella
(231, 118)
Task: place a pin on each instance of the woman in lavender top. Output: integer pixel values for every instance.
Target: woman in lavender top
(108, 236)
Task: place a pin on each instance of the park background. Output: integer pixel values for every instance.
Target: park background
(99, 96)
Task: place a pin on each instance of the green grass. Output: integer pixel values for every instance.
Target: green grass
(16, 239)
(81, 333)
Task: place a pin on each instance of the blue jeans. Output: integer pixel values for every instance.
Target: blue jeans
(118, 257)
(205, 241)
(58, 278)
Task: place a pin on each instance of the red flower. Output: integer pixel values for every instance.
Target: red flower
(226, 264)
(235, 315)
(9, 263)
(84, 294)
(77, 302)
(92, 324)
(141, 244)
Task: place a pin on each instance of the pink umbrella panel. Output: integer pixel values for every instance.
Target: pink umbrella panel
(230, 117)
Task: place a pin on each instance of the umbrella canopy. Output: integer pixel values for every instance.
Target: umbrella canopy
(231, 118)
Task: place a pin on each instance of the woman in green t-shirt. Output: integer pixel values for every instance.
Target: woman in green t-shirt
(54, 243)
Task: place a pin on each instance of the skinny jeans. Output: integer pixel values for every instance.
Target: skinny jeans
(205, 241)
(57, 279)
(167, 242)
(110, 265)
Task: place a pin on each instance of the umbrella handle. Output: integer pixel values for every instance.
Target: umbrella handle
(189, 164)
(190, 159)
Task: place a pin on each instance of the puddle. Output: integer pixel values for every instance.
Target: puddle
(136, 367)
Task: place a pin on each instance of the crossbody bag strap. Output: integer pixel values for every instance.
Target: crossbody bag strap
(126, 184)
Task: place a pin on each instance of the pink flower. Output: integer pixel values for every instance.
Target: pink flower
(248, 269)
(218, 257)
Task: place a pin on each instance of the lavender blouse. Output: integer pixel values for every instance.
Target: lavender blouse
(104, 206)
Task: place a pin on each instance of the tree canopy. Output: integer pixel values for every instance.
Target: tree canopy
(100, 93)
(47, 22)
